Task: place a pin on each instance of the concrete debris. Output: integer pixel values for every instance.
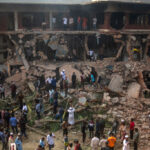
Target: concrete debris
(116, 83)
(82, 100)
(133, 90)
(31, 86)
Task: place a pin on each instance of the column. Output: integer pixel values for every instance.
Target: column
(16, 20)
(126, 20)
(107, 20)
(51, 20)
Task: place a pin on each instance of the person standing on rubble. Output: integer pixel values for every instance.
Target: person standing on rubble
(136, 139)
(71, 111)
(91, 128)
(6, 118)
(95, 143)
(20, 100)
(13, 123)
(50, 140)
(132, 124)
(61, 84)
(66, 86)
(63, 75)
(83, 130)
(74, 80)
(122, 130)
(82, 80)
(55, 105)
(13, 90)
(77, 145)
(54, 83)
(49, 82)
(2, 91)
(126, 145)
(3, 139)
(51, 96)
(92, 79)
(18, 142)
(111, 141)
(115, 126)
(10, 140)
(38, 109)
(103, 143)
(65, 127)
(22, 124)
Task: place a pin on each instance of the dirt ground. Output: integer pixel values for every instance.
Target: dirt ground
(32, 141)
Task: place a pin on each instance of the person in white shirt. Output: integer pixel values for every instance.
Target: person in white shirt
(103, 143)
(91, 54)
(94, 23)
(51, 96)
(71, 22)
(25, 108)
(65, 22)
(126, 145)
(63, 74)
(50, 140)
(54, 22)
(71, 111)
(95, 143)
(49, 80)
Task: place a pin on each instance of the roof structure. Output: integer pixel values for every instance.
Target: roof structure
(125, 1)
(45, 1)
(69, 2)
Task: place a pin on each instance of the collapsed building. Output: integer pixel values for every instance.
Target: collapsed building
(29, 37)
(27, 30)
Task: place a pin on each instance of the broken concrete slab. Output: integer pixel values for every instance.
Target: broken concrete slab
(133, 90)
(82, 100)
(31, 86)
(116, 83)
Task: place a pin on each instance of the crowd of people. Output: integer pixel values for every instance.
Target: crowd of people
(13, 123)
(79, 23)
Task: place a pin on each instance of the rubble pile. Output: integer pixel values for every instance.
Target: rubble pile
(120, 94)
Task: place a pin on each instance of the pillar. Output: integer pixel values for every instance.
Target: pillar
(126, 20)
(107, 20)
(16, 20)
(51, 20)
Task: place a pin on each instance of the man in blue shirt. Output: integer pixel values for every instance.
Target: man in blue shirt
(2, 138)
(18, 142)
(13, 123)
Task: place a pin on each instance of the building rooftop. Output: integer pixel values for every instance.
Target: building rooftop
(45, 1)
(69, 2)
(125, 1)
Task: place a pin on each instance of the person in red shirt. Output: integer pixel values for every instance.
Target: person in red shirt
(132, 125)
(77, 145)
(84, 23)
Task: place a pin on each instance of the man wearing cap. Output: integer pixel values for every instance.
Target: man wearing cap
(63, 74)
(111, 141)
(126, 145)
(71, 111)
(18, 142)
